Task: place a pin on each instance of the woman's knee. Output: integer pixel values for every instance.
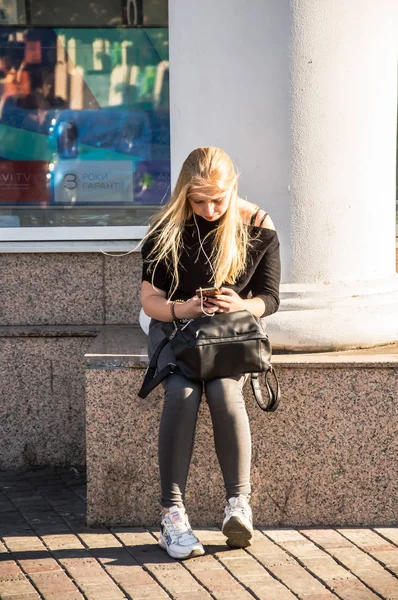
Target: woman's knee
(225, 393)
(179, 389)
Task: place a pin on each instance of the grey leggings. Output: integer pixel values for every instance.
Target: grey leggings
(178, 425)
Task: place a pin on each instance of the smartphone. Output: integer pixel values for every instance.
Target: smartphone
(210, 292)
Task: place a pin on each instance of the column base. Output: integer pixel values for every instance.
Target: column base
(328, 317)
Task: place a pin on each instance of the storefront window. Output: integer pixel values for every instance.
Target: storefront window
(80, 13)
(84, 116)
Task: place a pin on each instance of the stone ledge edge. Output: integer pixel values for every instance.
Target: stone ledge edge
(280, 361)
(45, 331)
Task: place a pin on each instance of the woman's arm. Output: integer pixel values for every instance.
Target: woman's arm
(154, 302)
(266, 278)
(255, 305)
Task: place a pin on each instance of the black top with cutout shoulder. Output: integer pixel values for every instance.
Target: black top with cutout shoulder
(261, 278)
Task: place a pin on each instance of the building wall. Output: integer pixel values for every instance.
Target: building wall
(51, 308)
(69, 289)
(42, 398)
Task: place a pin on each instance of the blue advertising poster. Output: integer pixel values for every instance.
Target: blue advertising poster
(84, 117)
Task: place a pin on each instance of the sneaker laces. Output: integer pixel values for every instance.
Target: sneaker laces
(239, 503)
(179, 530)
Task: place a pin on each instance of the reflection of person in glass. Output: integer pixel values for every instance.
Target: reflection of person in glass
(8, 78)
(36, 107)
(206, 236)
(30, 88)
(5, 67)
(40, 101)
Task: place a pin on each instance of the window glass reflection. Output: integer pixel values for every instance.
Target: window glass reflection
(95, 13)
(84, 125)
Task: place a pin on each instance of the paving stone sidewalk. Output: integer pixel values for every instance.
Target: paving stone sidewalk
(46, 551)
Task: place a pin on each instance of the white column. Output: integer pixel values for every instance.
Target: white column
(302, 94)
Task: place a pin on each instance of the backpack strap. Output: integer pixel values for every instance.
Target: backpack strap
(274, 396)
(152, 377)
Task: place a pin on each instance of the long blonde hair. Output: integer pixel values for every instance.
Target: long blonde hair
(210, 168)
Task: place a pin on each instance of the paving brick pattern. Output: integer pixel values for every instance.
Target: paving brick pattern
(47, 552)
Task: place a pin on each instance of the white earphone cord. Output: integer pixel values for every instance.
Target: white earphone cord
(202, 307)
(210, 265)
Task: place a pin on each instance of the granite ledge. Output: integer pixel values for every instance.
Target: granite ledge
(52, 331)
(125, 346)
(118, 346)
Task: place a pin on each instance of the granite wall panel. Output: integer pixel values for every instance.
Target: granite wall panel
(42, 401)
(50, 289)
(122, 281)
(69, 289)
(327, 456)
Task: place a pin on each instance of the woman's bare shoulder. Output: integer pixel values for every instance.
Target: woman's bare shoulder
(247, 209)
(264, 220)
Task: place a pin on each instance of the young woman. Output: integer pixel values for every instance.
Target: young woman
(206, 236)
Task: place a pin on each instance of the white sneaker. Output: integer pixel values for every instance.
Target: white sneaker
(238, 522)
(176, 536)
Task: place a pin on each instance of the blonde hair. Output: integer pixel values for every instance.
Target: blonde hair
(208, 171)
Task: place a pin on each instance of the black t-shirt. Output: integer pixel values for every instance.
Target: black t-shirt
(260, 279)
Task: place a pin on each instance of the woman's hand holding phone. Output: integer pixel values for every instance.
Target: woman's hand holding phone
(226, 301)
(208, 292)
(192, 308)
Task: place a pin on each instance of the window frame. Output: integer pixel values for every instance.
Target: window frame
(56, 234)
